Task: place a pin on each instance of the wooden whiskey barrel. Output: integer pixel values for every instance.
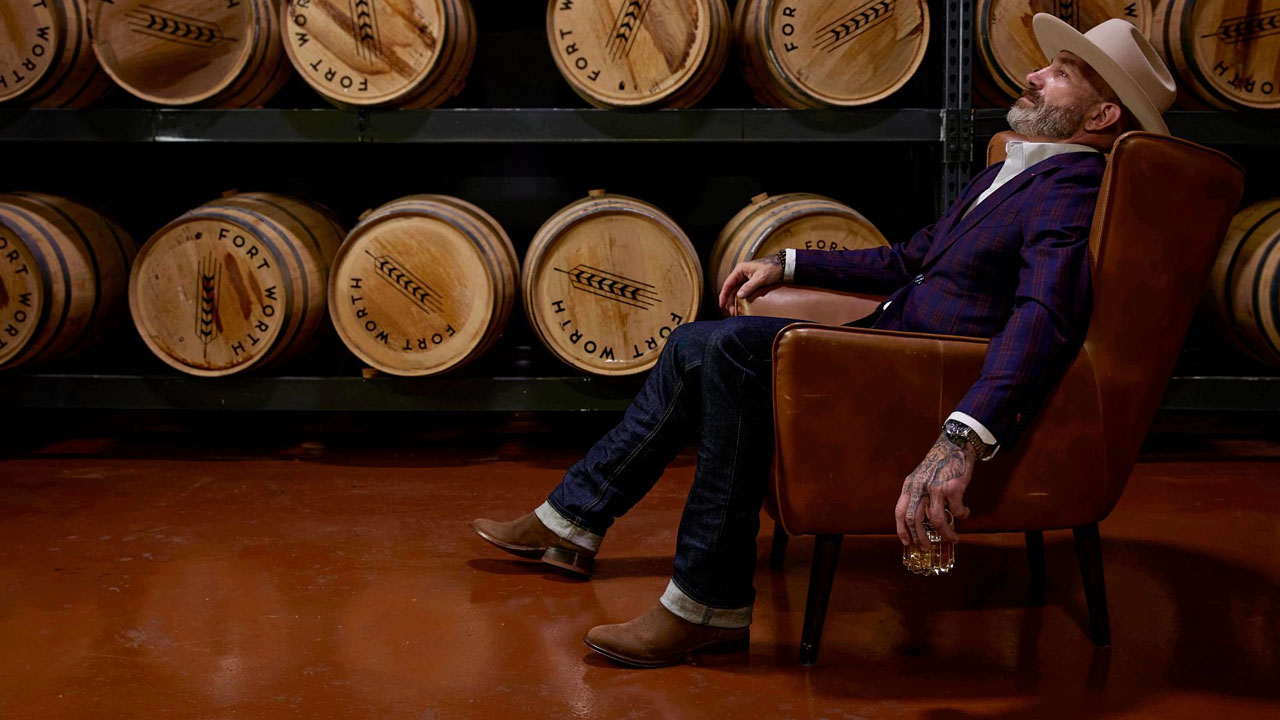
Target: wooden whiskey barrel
(236, 283)
(422, 285)
(629, 54)
(214, 53)
(1244, 287)
(381, 53)
(1225, 53)
(829, 53)
(795, 220)
(1007, 44)
(605, 281)
(46, 59)
(63, 269)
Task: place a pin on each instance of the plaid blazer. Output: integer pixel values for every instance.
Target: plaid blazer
(1016, 270)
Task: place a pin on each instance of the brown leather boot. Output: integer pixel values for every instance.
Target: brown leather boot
(527, 537)
(658, 637)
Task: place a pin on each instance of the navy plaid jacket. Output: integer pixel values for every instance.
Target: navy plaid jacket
(1016, 270)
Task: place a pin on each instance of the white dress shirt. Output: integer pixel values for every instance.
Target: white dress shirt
(1019, 157)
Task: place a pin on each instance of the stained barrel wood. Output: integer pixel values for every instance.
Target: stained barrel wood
(795, 220)
(236, 283)
(1225, 53)
(829, 53)
(214, 53)
(381, 53)
(640, 53)
(1244, 287)
(605, 281)
(47, 59)
(422, 285)
(1007, 43)
(63, 270)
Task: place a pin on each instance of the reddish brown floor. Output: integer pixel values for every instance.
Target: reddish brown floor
(172, 580)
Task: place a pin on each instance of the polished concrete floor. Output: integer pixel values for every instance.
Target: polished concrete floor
(268, 575)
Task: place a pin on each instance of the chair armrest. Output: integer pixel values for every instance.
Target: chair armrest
(856, 410)
(829, 307)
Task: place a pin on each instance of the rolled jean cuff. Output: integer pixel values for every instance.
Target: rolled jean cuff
(562, 526)
(683, 606)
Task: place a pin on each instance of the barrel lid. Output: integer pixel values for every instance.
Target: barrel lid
(803, 221)
(1008, 44)
(606, 283)
(22, 289)
(367, 52)
(846, 53)
(1236, 48)
(411, 292)
(26, 56)
(177, 52)
(820, 226)
(632, 53)
(209, 294)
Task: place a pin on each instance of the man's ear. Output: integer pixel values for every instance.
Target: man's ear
(1104, 117)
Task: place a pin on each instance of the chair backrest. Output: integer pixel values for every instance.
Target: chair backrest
(1162, 213)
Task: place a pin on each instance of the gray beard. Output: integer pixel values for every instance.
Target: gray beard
(1058, 123)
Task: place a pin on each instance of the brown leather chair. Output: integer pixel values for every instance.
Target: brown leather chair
(856, 410)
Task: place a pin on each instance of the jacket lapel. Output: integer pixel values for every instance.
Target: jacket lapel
(959, 226)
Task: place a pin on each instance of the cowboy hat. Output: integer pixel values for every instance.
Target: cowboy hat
(1123, 57)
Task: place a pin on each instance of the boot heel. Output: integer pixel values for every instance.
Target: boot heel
(565, 559)
(725, 647)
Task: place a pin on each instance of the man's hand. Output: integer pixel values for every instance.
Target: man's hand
(746, 278)
(938, 483)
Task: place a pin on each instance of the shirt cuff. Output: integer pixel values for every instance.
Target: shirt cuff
(789, 266)
(978, 427)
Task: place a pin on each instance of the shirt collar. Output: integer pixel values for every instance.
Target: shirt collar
(1023, 155)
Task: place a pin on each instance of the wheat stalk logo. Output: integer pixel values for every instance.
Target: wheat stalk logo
(1248, 27)
(626, 27)
(406, 283)
(1067, 12)
(364, 29)
(173, 27)
(207, 286)
(837, 34)
(609, 286)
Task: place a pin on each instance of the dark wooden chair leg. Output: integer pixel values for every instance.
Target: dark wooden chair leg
(778, 552)
(826, 551)
(1089, 553)
(1035, 562)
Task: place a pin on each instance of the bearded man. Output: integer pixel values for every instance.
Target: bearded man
(1009, 261)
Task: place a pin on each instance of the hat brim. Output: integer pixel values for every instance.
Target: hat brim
(1054, 36)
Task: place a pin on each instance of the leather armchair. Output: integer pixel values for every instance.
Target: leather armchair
(855, 410)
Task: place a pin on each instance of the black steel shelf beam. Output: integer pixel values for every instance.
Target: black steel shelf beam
(519, 125)
(1205, 127)
(458, 394)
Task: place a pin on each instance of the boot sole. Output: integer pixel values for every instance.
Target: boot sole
(717, 647)
(577, 563)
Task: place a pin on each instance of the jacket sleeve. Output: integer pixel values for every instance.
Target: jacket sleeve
(1050, 315)
(882, 269)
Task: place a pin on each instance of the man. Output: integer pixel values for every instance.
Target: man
(1009, 261)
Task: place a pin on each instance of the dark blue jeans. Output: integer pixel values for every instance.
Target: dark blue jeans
(716, 375)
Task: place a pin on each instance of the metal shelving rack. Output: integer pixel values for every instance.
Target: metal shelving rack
(955, 131)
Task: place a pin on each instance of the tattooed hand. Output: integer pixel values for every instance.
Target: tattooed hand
(938, 483)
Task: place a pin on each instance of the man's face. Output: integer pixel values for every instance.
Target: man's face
(1056, 101)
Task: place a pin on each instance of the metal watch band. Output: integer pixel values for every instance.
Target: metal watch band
(956, 430)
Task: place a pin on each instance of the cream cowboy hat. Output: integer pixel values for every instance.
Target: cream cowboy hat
(1122, 56)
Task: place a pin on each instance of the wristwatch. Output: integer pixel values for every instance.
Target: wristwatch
(959, 434)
